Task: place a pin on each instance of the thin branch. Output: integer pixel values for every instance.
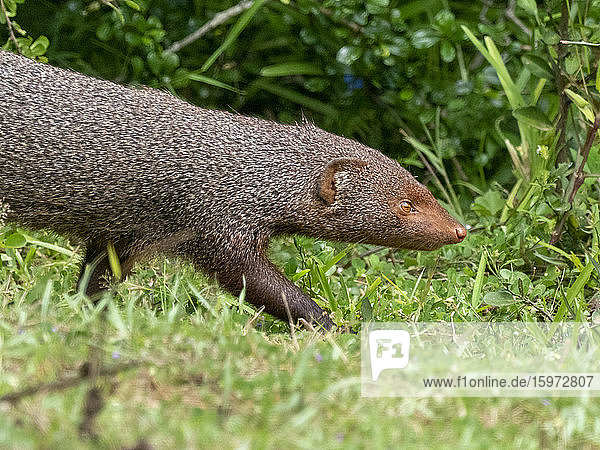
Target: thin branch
(9, 24)
(510, 13)
(372, 251)
(227, 14)
(589, 44)
(67, 382)
(528, 302)
(218, 19)
(558, 230)
(291, 321)
(459, 169)
(352, 25)
(578, 176)
(484, 10)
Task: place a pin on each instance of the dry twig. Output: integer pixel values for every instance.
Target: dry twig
(9, 24)
(578, 176)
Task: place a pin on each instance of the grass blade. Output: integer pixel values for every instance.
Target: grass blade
(476, 298)
(211, 81)
(579, 283)
(235, 31)
(325, 287)
(291, 68)
(296, 97)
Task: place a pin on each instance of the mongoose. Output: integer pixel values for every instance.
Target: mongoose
(148, 172)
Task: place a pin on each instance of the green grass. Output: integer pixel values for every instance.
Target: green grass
(180, 364)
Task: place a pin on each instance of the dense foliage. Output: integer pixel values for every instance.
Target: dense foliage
(495, 105)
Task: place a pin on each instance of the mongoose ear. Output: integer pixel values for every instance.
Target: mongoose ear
(326, 188)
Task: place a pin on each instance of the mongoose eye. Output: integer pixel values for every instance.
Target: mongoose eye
(406, 206)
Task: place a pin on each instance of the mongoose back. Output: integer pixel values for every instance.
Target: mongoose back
(150, 173)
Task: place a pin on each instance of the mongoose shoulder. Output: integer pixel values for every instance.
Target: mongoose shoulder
(151, 173)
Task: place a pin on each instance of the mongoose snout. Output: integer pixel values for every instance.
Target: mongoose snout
(146, 172)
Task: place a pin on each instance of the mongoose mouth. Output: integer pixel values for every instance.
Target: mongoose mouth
(461, 233)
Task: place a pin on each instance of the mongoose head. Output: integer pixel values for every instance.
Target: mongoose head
(377, 201)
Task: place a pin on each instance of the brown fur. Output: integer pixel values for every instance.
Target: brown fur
(149, 172)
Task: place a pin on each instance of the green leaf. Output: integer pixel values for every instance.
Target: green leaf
(104, 32)
(137, 64)
(447, 51)
(372, 287)
(445, 20)
(333, 261)
(579, 283)
(426, 38)
(325, 287)
(377, 6)
(535, 95)
(11, 7)
(291, 68)
(571, 64)
(366, 309)
(533, 116)
(113, 260)
(574, 259)
(39, 46)
(529, 6)
(537, 66)
(476, 42)
(577, 99)
(550, 37)
(598, 79)
(582, 104)
(492, 55)
(15, 240)
(495, 59)
(299, 275)
(53, 247)
(235, 31)
(133, 5)
(170, 61)
(348, 54)
(488, 204)
(499, 298)
(154, 62)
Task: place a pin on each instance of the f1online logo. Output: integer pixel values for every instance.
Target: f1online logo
(388, 349)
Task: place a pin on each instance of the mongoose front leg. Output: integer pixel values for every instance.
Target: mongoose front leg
(267, 286)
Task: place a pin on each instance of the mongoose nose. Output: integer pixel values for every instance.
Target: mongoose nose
(461, 233)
